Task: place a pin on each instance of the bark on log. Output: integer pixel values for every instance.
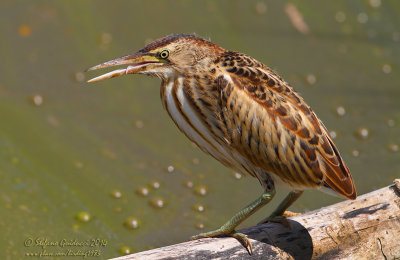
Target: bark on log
(367, 228)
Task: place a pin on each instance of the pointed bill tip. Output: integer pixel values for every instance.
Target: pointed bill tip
(89, 69)
(100, 66)
(112, 74)
(91, 80)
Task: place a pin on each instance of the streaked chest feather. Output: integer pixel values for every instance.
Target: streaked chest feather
(188, 120)
(182, 103)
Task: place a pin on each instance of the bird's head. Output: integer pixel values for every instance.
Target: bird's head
(166, 57)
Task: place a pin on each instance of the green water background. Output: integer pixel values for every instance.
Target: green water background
(66, 147)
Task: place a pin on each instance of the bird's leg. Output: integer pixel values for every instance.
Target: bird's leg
(229, 227)
(278, 215)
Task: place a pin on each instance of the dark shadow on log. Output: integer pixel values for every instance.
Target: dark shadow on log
(294, 240)
(396, 189)
(367, 210)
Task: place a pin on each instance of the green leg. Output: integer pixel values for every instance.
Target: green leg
(283, 206)
(229, 227)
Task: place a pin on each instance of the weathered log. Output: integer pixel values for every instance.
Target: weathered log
(366, 228)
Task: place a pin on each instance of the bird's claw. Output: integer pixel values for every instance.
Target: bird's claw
(288, 213)
(197, 237)
(242, 238)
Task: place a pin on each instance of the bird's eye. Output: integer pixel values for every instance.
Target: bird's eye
(164, 54)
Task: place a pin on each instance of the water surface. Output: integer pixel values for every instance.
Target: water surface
(68, 149)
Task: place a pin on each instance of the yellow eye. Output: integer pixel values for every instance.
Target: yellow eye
(164, 54)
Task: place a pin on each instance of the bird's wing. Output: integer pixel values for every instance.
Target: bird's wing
(272, 127)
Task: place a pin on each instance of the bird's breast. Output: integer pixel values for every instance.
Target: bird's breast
(180, 101)
(185, 116)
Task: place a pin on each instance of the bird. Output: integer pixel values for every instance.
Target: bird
(246, 116)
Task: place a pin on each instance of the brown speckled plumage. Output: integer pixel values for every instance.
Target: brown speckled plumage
(244, 115)
(260, 116)
(308, 157)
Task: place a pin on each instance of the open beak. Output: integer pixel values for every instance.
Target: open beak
(137, 62)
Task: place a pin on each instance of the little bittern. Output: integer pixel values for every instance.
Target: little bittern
(244, 115)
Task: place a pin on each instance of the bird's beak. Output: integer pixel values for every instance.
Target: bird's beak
(137, 62)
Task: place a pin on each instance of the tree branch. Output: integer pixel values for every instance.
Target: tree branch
(366, 228)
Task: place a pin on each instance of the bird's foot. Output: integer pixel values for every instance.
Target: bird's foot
(277, 219)
(280, 218)
(228, 228)
(288, 213)
(242, 238)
